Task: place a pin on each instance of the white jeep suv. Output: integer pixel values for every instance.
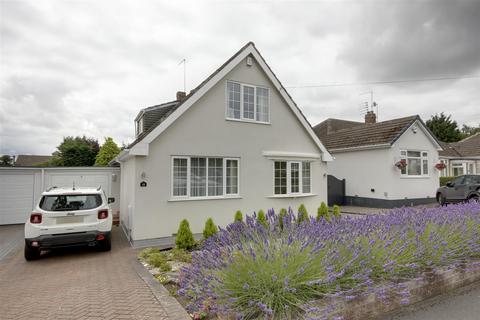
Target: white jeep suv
(69, 217)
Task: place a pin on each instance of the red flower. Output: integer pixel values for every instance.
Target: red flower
(440, 166)
(402, 164)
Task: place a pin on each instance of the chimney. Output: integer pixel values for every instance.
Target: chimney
(181, 96)
(370, 117)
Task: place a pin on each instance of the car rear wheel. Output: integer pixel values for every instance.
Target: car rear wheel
(31, 253)
(441, 199)
(105, 244)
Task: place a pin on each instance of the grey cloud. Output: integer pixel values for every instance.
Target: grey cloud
(415, 40)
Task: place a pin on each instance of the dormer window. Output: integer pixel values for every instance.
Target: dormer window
(247, 102)
(139, 126)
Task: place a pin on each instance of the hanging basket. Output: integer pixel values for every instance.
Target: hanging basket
(401, 164)
(440, 166)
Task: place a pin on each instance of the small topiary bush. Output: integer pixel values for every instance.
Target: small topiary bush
(302, 214)
(184, 239)
(210, 229)
(323, 212)
(238, 216)
(261, 219)
(336, 211)
(283, 213)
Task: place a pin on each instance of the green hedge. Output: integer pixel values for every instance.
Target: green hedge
(444, 180)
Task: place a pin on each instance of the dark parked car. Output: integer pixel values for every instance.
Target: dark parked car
(462, 188)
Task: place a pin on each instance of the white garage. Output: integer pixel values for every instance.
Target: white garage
(20, 188)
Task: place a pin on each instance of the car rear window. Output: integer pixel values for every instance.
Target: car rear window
(70, 202)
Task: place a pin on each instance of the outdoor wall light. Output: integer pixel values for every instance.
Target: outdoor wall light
(114, 177)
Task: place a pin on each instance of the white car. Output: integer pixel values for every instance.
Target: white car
(69, 217)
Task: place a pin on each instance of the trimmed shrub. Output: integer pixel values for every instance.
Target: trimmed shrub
(336, 211)
(322, 212)
(283, 213)
(210, 229)
(238, 216)
(302, 214)
(261, 219)
(444, 180)
(184, 238)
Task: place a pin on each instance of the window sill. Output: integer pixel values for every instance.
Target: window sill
(204, 198)
(292, 195)
(247, 121)
(415, 177)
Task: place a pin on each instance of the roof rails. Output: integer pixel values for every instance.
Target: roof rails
(51, 188)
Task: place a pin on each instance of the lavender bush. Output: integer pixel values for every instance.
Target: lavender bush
(261, 270)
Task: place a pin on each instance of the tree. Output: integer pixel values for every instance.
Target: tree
(444, 128)
(238, 216)
(302, 214)
(6, 161)
(210, 229)
(108, 151)
(322, 212)
(184, 239)
(468, 131)
(261, 219)
(76, 152)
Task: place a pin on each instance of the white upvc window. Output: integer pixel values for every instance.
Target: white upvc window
(417, 163)
(205, 177)
(139, 126)
(247, 102)
(292, 177)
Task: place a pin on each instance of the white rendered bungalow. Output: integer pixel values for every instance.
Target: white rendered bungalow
(235, 142)
(385, 164)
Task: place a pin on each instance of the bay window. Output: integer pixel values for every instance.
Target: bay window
(247, 102)
(291, 177)
(203, 177)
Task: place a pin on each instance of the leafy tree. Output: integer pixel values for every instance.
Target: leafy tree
(302, 214)
(468, 131)
(210, 229)
(444, 128)
(6, 161)
(238, 216)
(261, 219)
(281, 216)
(76, 152)
(184, 239)
(108, 151)
(322, 212)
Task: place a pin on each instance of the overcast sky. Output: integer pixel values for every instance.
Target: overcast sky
(72, 68)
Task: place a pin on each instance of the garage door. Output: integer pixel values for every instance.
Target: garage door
(80, 180)
(16, 197)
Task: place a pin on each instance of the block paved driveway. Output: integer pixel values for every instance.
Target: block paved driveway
(74, 284)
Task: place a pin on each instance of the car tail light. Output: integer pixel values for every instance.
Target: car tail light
(36, 218)
(102, 214)
(100, 237)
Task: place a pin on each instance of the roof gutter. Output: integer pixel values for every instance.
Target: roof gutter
(367, 147)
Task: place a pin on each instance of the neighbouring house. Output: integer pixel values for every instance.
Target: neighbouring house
(462, 157)
(26, 160)
(235, 142)
(384, 164)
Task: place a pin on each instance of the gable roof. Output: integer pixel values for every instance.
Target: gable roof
(140, 145)
(468, 147)
(371, 135)
(25, 160)
(331, 125)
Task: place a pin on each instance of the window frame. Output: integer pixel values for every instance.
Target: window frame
(289, 192)
(423, 156)
(255, 105)
(188, 196)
